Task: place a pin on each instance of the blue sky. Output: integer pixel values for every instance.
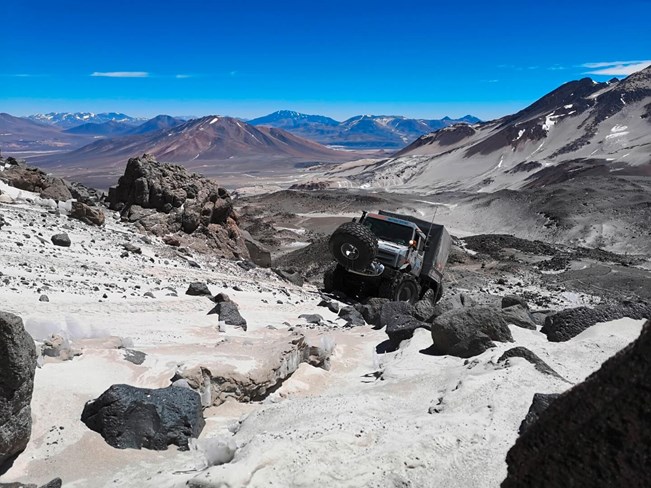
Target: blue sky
(337, 58)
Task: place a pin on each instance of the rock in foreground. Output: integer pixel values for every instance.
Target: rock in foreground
(17, 366)
(597, 434)
(130, 417)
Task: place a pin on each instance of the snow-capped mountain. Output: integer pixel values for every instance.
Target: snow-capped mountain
(582, 127)
(66, 120)
(361, 132)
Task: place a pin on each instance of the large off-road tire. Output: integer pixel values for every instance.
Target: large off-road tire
(402, 288)
(353, 246)
(439, 292)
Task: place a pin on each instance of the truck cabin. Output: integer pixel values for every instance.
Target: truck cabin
(394, 230)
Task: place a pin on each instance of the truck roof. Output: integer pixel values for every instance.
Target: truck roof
(406, 223)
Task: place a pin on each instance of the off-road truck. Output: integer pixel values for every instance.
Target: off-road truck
(388, 255)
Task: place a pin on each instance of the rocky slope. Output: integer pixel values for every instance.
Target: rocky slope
(583, 127)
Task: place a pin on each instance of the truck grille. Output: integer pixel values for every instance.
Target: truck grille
(386, 258)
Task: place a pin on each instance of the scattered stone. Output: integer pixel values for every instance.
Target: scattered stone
(135, 357)
(311, 318)
(221, 297)
(290, 275)
(131, 417)
(149, 294)
(132, 248)
(198, 288)
(43, 298)
(539, 364)
(55, 483)
(88, 215)
(171, 240)
(17, 366)
(330, 305)
(539, 404)
(352, 317)
(61, 240)
(59, 347)
(246, 265)
(596, 433)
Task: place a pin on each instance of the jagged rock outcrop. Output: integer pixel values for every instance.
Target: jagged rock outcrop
(17, 366)
(568, 323)
(596, 434)
(131, 417)
(87, 214)
(25, 178)
(281, 358)
(166, 199)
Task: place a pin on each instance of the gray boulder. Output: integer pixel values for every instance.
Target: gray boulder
(17, 366)
(391, 310)
(55, 483)
(452, 302)
(62, 240)
(131, 417)
(463, 332)
(311, 318)
(597, 433)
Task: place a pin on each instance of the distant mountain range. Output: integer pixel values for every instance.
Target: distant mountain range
(67, 120)
(208, 144)
(582, 128)
(359, 132)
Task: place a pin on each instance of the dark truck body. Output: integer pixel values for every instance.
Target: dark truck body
(437, 246)
(389, 255)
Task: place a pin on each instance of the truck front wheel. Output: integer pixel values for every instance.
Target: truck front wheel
(353, 246)
(401, 288)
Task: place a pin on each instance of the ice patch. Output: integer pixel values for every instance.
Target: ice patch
(214, 120)
(619, 128)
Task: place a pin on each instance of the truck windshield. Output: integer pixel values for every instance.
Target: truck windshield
(389, 231)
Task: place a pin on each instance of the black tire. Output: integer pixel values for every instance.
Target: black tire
(333, 279)
(402, 288)
(353, 246)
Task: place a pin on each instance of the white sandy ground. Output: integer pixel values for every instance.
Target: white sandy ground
(363, 423)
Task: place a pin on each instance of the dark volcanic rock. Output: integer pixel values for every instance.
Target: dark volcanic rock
(523, 352)
(539, 404)
(564, 325)
(596, 434)
(166, 199)
(61, 240)
(402, 327)
(462, 332)
(87, 214)
(135, 357)
(519, 316)
(17, 366)
(130, 417)
(290, 275)
(351, 316)
(311, 318)
(229, 313)
(55, 483)
(511, 300)
(198, 288)
(391, 310)
(371, 309)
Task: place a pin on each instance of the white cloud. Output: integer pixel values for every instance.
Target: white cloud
(121, 74)
(181, 77)
(616, 68)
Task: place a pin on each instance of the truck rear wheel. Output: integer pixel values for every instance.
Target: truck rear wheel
(402, 288)
(353, 246)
